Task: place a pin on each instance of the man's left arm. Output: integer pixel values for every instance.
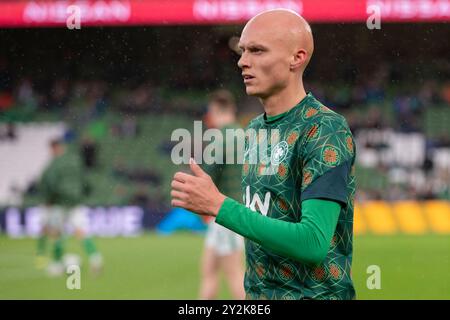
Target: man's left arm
(326, 157)
(307, 241)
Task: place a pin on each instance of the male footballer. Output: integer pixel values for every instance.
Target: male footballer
(297, 220)
(223, 248)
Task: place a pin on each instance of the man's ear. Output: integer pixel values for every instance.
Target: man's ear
(299, 59)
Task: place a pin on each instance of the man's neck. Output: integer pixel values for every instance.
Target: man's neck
(283, 101)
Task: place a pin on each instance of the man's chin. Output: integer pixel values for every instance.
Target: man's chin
(251, 91)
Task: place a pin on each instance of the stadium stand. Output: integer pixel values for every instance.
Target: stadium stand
(120, 109)
(29, 139)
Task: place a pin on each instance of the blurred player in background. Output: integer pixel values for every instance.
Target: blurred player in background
(63, 188)
(223, 248)
(298, 212)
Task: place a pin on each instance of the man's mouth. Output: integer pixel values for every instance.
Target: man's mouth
(247, 77)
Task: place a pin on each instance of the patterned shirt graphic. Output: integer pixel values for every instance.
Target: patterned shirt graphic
(313, 158)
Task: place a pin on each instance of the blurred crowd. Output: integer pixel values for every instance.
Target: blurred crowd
(375, 101)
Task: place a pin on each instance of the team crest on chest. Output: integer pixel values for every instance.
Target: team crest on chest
(279, 153)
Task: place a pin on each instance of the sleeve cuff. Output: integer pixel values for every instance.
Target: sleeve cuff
(225, 212)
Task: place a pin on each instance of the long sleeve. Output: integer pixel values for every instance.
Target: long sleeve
(307, 241)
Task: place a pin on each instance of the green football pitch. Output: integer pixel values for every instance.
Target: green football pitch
(167, 267)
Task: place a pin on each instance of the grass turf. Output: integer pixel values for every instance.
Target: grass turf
(157, 267)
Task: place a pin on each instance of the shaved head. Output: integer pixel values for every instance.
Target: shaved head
(285, 26)
(276, 47)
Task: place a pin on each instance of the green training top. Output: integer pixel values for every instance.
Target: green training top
(312, 159)
(62, 182)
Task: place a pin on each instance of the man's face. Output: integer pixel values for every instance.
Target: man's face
(265, 60)
(213, 116)
(57, 150)
(208, 118)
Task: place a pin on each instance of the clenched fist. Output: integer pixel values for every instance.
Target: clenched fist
(196, 193)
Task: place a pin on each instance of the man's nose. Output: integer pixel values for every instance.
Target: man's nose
(243, 61)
